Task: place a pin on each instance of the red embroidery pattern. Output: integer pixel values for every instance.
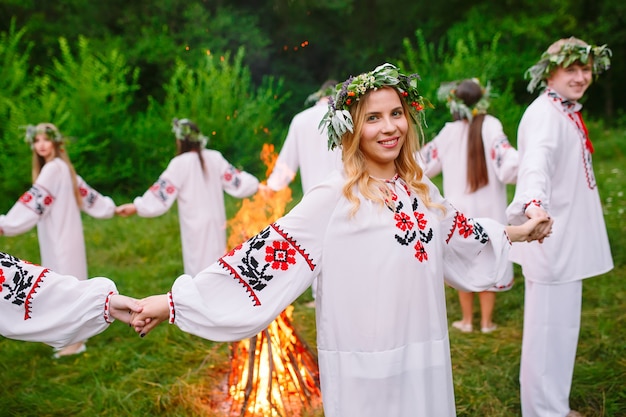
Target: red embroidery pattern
(107, 308)
(568, 109)
(406, 225)
(38, 199)
(163, 190)
(261, 258)
(231, 175)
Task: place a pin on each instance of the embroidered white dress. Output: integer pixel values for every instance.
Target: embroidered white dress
(39, 305)
(447, 154)
(50, 204)
(305, 148)
(556, 172)
(381, 313)
(201, 211)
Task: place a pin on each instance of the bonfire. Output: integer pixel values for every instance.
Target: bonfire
(274, 373)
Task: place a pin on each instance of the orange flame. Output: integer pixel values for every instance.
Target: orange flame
(274, 373)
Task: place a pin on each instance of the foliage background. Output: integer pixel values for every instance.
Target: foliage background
(113, 74)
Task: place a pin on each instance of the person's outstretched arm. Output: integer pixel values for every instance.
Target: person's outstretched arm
(40, 305)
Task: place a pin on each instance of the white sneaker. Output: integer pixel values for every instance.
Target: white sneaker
(489, 329)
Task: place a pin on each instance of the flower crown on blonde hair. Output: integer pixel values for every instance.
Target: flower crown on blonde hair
(338, 119)
(48, 129)
(447, 93)
(565, 52)
(183, 131)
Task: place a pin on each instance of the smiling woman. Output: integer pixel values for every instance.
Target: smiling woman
(377, 247)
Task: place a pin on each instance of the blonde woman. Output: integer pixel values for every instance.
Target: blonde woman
(379, 237)
(54, 203)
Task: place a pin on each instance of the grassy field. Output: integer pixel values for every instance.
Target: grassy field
(170, 373)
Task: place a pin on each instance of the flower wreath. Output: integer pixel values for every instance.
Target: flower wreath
(182, 130)
(316, 96)
(447, 93)
(32, 131)
(338, 119)
(569, 53)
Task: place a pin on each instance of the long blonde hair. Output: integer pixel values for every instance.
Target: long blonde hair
(59, 152)
(406, 165)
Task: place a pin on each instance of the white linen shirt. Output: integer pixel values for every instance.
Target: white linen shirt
(201, 211)
(382, 331)
(50, 204)
(556, 173)
(305, 148)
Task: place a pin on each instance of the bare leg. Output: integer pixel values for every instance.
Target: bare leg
(487, 303)
(467, 309)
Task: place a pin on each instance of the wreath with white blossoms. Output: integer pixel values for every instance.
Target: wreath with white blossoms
(569, 53)
(32, 131)
(447, 94)
(182, 131)
(338, 119)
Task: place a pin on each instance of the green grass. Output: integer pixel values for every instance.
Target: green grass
(171, 373)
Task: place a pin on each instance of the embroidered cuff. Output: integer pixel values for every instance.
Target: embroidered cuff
(170, 302)
(534, 203)
(107, 309)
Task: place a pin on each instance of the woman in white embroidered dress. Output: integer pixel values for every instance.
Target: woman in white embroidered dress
(197, 178)
(379, 237)
(40, 305)
(477, 162)
(54, 203)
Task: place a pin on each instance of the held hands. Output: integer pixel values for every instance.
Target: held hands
(126, 210)
(122, 308)
(155, 309)
(537, 228)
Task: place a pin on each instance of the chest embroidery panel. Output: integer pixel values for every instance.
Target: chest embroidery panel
(412, 226)
(269, 254)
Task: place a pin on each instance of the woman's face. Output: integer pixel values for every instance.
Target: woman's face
(44, 147)
(571, 82)
(383, 132)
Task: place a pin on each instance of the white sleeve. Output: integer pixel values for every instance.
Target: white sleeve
(430, 162)
(475, 250)
(237, 183)
(27, 211)
(503, 157)
(95, 204)
(39, 305)
(534, 184)
(287, 163)
(241, 293)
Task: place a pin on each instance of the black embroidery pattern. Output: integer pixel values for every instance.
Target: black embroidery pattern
(466, 228)
(261, 257)
(37, 199)
(231, 175)
(163, 189)
(499, 149)
(19, 288)
(406, 224)
(88, 194)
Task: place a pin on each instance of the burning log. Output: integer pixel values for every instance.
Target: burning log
(274, 373)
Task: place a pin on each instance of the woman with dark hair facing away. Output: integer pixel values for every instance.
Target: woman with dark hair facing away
(54, 203)
(476, 161)
(197, 178)
(380, 239)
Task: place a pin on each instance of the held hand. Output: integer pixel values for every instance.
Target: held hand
(534, 229)
(126, 210)
(543, 229)
(155, 310)
(122, 307)
(265, 191)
